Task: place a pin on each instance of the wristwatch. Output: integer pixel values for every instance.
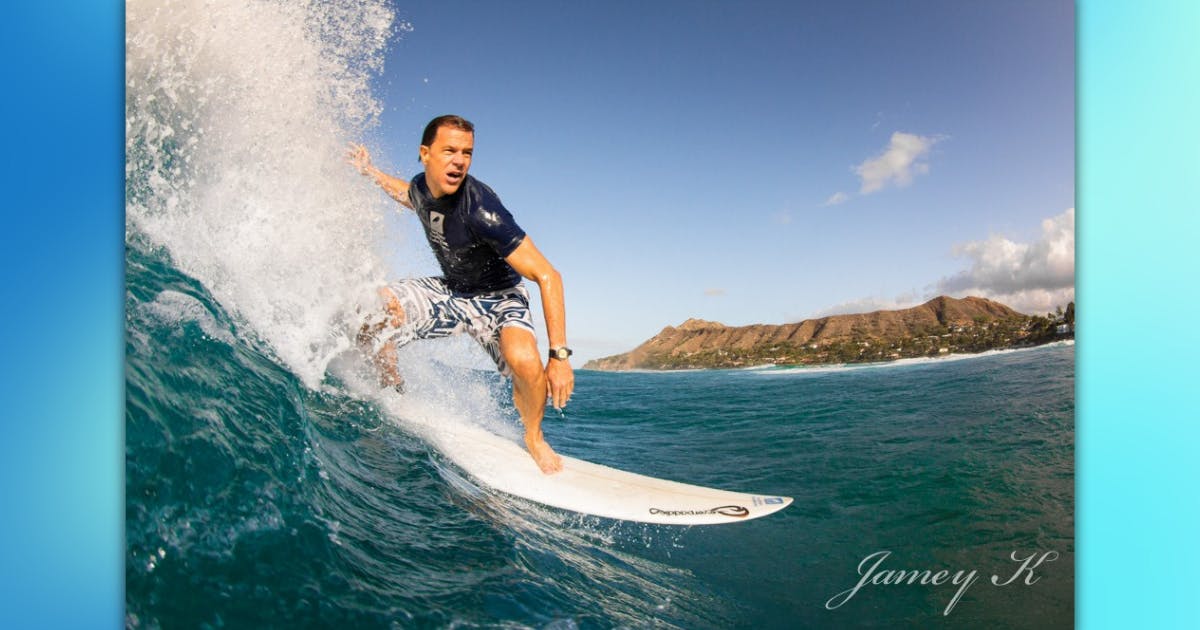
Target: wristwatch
(560, 353)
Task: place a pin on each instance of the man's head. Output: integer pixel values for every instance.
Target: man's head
(446, 148)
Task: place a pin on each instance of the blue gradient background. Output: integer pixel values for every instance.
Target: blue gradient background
(1138, 505)
(61, 466)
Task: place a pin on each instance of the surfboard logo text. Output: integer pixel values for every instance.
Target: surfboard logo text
(735, 511)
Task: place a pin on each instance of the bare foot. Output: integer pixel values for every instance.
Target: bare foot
(545, 457)
(392, 379)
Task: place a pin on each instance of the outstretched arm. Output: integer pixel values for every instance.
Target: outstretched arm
(394, 186)
(530, 263)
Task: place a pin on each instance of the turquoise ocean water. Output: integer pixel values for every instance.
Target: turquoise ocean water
(268, 485)
(253, 500)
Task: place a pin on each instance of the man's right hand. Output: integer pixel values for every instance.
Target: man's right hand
(360, 158)
(396, 188)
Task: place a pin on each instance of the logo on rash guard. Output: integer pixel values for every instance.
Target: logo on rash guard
(437, 230)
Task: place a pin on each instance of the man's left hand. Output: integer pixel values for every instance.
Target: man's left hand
(560, 382)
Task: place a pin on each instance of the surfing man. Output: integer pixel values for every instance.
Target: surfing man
(483, 255)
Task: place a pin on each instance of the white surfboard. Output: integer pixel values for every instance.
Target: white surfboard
(588, 488)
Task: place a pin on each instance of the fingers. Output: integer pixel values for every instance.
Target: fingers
(359, 157)
(560, 383)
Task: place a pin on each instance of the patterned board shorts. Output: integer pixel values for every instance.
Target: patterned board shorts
(432, 311)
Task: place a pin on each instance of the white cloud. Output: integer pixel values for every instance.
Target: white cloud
(1030, 277)
(869, 304)
(898, 163)
(1033, 278)
(836, 198)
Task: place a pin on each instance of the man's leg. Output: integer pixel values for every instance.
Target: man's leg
(385, 359)
(519, 348)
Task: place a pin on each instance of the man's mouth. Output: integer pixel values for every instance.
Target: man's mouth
(454, 177)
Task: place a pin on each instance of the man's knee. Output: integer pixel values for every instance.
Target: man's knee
(520, 352)
(391, 305)
(526, 368)
(375, 323)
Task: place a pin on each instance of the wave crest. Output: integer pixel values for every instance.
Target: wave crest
(237, 116)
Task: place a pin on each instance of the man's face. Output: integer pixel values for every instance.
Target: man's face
(447, 160)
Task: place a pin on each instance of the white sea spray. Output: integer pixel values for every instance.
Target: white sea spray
(237, 117)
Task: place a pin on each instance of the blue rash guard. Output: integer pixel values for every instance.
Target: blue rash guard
(471, 234)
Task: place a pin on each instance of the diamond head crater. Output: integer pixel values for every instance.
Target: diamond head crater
(939, 327)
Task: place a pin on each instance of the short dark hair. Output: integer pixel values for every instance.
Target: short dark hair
(449, 120)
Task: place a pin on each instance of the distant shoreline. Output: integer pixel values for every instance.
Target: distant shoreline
(941, 327)
(829, 367)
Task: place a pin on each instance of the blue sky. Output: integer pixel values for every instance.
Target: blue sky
(757, 162)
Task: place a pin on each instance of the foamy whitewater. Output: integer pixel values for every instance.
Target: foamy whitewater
(269, 484)
(237, 120)
(898, 363)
